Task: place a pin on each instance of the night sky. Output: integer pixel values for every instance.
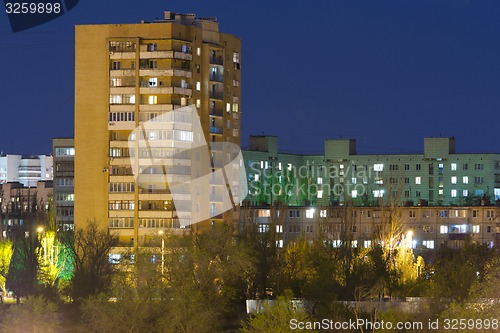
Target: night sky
(386, 72)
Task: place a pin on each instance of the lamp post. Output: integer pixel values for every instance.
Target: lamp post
(40, 231)
(161, 232)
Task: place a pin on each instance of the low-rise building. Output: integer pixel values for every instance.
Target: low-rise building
(21, 205)
(424, 228)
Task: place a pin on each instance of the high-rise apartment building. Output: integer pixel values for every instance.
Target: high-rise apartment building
(130, 74)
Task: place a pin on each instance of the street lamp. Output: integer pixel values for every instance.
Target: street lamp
(161, 232)
(409, 238)
(40, 230)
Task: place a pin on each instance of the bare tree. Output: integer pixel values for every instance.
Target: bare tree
(90, 248)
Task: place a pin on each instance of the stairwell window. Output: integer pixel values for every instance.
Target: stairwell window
(153, 100)
(153, 82)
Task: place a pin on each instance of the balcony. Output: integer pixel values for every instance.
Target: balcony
(165, 91)
(215, 197)
(122, 72)
(118, 144)
(216, 113)
(215, 130)
(122, 107)
(217, 60)
(217, 78)
(157, 72)
(159, 107)
(457, 236)
(121, 125)
(121, 90)
(165, 55)
(216, 95)
(121, 55)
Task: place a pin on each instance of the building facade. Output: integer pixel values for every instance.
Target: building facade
(127, 75)
(28, 170)
(439, 176)
(425, 228)
(22, 206)
(63, 151)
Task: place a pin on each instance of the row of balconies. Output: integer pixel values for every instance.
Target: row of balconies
(151, 55)
(155, 72)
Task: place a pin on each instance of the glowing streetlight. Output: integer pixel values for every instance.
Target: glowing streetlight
(40, 230)
(409, 238)
(161, 232)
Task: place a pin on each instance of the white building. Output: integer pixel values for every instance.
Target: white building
(27, 170)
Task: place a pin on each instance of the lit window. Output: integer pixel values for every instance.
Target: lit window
(153, 82)
(310, 213)
(116, 82)
(264, 212)
(198, 103)
(354, 243)
(336, 243)
(378, 193)
(289, 166)
(279, 228)
(153, 100)
(354, 180)
(453, 193)
(418, 180)
(198, 85)
(65, 151)
(256, 177)
(198, 51)
(440, 192)
(454, 180)
(228, 107)
(378, 167)
(322, 213)
(475, 229)
(320, 180)
(279, 166)
(235, 107)
(354, 193)
(367, 244)
(443, 229)
(453, 166)
(320, 194)
(465, 180)
(266, 164)
(465, 193)
(263, 228)
(428, 244)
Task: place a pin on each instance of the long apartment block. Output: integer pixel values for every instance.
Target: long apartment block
(424, 228)
(438, 176)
